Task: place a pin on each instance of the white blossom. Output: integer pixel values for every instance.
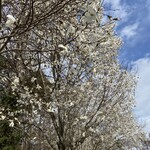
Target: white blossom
(71, 104)
(38, 87)
(63, 47)
(33, 79)
(11, 124)
(90, 15)
(51, 80)
(2, 117)
(16, 80)
(51, 110)
(83, 117)
(10, 21)
(91, 129)
(83, 134)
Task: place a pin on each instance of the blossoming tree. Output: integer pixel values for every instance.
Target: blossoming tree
(61, 84)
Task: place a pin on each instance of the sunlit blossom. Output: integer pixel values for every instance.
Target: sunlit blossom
(10, 21)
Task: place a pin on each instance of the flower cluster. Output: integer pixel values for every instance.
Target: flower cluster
(61, 79)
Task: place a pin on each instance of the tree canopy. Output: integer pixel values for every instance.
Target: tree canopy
(62, 87)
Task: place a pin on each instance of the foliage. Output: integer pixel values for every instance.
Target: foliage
(9, 137)
(66, 89)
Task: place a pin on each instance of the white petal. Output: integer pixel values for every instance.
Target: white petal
(10, 17)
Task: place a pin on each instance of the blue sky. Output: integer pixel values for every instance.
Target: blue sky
(134, 28)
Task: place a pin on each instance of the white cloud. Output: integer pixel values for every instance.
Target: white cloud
(147, 4)
(124, 11)
(120, 9)
(145, 122)
(129, 31)
(143, 91)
